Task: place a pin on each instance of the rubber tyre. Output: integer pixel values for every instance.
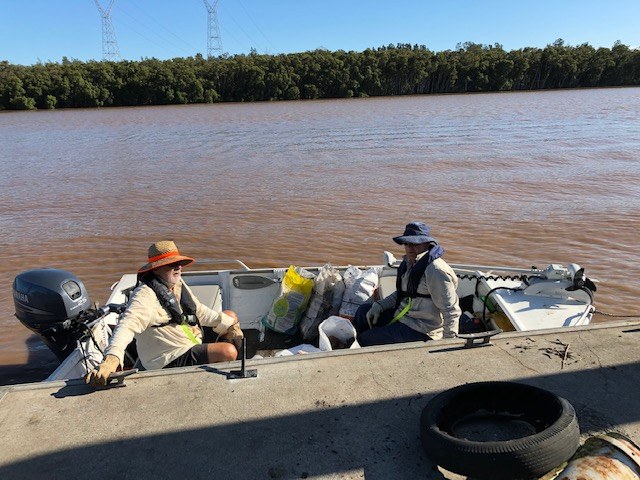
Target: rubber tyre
(554, 419)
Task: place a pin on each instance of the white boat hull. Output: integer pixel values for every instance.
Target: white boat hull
(529, 299)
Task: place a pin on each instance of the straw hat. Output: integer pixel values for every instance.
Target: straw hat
(164, 253)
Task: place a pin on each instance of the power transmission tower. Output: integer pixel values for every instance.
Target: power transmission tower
(214, 42)
(109, 44)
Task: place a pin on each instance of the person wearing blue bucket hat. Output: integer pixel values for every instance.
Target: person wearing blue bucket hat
(425, 304)
(415, 233)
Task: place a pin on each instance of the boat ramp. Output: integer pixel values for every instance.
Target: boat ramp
(348, 414)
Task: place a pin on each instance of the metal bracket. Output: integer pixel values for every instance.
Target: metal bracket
(480, 339)
(116, 379)
(242, 373)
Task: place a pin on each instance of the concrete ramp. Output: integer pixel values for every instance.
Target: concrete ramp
(346, 414)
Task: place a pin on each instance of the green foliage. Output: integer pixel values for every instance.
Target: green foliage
(401, 69)
(50, 102)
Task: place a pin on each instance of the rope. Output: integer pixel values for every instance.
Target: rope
(615, 316)
(486, 300)
(87, 330)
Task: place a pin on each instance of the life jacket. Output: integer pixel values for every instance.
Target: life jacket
(415, 275)
(169, 302)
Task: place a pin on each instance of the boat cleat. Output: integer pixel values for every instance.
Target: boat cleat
(116, 379)
(479, 339)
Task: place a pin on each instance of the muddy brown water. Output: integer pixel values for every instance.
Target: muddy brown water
(515, 179)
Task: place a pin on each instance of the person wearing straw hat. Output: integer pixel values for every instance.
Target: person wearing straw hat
(425, 303)
(164, 317)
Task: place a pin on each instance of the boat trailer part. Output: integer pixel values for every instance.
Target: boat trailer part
(479, 339)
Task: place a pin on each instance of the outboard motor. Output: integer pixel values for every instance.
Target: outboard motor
(51, 303)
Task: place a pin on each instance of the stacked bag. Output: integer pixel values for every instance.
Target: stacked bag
(306, 300)
(326, 300)
(359, 288)
(289, 306)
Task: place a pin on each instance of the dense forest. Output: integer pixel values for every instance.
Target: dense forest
(392, 70)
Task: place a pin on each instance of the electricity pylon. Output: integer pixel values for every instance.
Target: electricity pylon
(109, 44)
(214, 42)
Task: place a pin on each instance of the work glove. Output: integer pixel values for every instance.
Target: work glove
(99, 376)
(234, 335)
(373, 314)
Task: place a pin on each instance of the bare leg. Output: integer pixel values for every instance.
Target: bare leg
(231, 313)
(221, 352)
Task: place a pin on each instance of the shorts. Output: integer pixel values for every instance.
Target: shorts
(196, 355)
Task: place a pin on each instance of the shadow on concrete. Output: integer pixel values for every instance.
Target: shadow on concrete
(74, 388)
(332, 441)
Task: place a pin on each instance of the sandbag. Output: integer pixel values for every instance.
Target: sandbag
(337, 332)
(325, 301)
(287, 309)
(360, 287)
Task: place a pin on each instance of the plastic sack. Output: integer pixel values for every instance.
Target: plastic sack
(335, 333)
(336, 302)
(287, 309)
(303, 349)
(360, 287)
(328, 289)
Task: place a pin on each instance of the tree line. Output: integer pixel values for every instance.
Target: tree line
(393, 70)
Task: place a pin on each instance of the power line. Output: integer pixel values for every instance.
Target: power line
(159, 24)
(214, 41)
(154, 31)
(253, 43)
(150, 40)
(254, 23)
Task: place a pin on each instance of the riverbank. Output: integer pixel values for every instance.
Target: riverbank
(345, 414)
(319, 74)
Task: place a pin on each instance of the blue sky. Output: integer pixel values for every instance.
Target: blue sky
(34, 31)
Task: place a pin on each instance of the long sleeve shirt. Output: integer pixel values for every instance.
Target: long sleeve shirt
(437, 316)
(158, 346)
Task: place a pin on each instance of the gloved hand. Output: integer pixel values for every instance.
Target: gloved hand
(99, 376)
(234, 335)
(373, 314)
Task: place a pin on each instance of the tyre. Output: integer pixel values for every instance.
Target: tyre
(499, 430)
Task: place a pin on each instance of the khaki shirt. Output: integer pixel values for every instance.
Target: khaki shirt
(159, 346)
(437, 316)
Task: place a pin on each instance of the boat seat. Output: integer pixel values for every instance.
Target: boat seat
(386, 286)
(209, 295)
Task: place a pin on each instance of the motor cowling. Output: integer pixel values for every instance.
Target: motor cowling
(48, 302)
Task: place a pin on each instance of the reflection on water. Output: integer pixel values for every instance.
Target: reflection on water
(514, 178)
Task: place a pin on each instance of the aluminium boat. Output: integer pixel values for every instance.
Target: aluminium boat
(54, 304)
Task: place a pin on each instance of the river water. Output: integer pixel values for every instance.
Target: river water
(514, 179)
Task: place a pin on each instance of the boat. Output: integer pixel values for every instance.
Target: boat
(55, 304)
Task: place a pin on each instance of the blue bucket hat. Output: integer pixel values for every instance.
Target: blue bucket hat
(415, 232)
